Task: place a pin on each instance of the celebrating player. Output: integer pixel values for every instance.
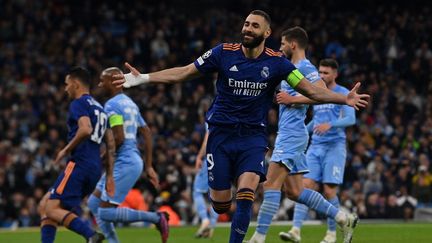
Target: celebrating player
(248, 74)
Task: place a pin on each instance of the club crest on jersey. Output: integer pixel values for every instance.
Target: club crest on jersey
(207, 54)
(265, 73)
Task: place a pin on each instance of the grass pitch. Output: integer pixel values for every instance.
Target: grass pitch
(379, 233)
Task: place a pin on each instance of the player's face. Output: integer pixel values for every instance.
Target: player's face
(255, 30)
(106, 79)
(286, 46)
(70, 86)
(328, 74)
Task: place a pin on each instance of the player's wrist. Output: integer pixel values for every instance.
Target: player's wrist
(135, 80)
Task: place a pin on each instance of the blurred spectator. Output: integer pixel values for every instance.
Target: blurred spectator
(41, 40)
(422, 187)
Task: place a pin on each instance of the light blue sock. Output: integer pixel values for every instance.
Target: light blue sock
(127, 215)
(331, 223)
(200, 205)
(300, 214)
(316, 201)
(268, 209)
(213, 217)
(106, 227)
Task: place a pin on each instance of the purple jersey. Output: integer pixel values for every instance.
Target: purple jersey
(245, 87)
(88, 151)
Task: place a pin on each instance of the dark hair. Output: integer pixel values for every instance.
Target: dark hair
(329, 62)
(82, 74)
(262, 14)
(297, 34)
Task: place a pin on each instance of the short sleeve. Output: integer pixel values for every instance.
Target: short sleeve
(111, 109)
(210, 61)
(78, 108)
(141, 121)
(115, 118)
(310, 73)
(290, 73)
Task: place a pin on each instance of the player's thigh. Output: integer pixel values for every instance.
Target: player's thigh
(314, 157)
(74, 184)
(289, 151)
(219, 168)
(125, 176)
(42, 204)
(251, 152)
(334, 164)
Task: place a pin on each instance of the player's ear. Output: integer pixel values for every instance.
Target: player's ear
(268, 32)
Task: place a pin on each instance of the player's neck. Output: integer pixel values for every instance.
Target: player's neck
(81, 92)
(331, 85)
(115, 92)
(253, 53)
(298, 56)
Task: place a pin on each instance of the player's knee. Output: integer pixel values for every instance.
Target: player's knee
(221, 207)
(93, 204)
(292, 193)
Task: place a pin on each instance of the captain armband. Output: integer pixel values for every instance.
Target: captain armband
(294, 78)
(115, 120)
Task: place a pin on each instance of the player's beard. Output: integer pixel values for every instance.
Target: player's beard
(256, 40)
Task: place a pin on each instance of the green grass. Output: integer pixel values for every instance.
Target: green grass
(379, 233)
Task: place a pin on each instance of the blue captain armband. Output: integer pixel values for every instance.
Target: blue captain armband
(294, 78)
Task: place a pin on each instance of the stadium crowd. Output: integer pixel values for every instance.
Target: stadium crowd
(387, 48)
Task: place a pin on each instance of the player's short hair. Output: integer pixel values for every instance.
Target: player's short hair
(81, 74)
(329, 62)
(112, 69)
(297, 34)
(262, 14)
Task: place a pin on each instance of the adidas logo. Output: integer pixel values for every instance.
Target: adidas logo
(233, 69)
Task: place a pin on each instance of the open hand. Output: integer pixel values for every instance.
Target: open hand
(355, 99)
(284, 98)
(127, 80)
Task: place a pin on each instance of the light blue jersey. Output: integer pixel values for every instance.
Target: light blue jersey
(291, 119)
(292, 137)
(332, 113)
(326, 155)
(128, 165)
(122, 105)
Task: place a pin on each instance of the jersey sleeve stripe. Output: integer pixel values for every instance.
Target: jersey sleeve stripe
(294, 78)
(67, 174)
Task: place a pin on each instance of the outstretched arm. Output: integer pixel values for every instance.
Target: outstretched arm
(286, 99)
(302, 85)
(171, 75)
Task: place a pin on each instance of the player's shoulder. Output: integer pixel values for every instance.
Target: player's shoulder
(231, 46)
(341, 89)
(273, 53)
